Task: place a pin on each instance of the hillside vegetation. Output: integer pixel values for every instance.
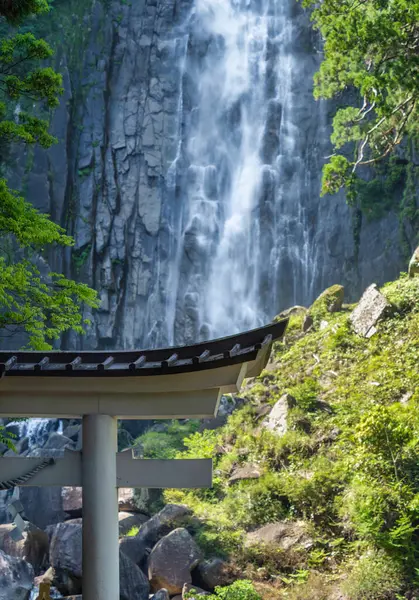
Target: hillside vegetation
(342, 480)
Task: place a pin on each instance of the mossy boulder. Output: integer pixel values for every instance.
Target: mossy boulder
(329, 301)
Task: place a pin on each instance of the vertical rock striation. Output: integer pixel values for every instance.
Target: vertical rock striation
(188, 169)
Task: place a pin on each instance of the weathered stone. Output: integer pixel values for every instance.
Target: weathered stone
(66, 557)
(331, 300)
(212, 573)
(286, 535)
(43, 506)
(172, 560)
(163, 522)
(289, 312)
(132, 581)
(414, 263)
(192, 591)
(126, 500)
(161, 595)
(72, 501)
(308, 323)
(134, 547)
(72, 432)
(245, 472)
(16, 578)
(33, 548)
(66, 561)
(129, 520)
(277, 419)
(372, 307)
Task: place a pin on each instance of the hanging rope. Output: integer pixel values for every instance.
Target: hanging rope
(12, 483)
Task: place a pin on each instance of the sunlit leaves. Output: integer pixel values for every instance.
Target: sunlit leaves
(16, 10)
(371, 46)
(41, 304)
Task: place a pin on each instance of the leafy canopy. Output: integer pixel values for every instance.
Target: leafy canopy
(16, 10)
(34, 300)
(371, 47)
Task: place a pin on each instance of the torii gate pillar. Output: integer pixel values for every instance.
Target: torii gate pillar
(166, 383)
(100, 509)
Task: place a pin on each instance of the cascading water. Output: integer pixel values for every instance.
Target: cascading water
(245, 245)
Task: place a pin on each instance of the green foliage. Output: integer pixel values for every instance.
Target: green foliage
(370, 46)
(375, 576)
(17, 10)
(306, 394)
(81, 256)
(29, 227)
(350, 472)
(6, 438)
(166, 444)
(257, 502)
(239, 590)
(329, 301)
(42, 305)
(377, 196)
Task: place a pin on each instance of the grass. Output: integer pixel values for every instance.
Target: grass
(347, 464)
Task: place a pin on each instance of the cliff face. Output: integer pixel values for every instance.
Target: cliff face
(188, 169)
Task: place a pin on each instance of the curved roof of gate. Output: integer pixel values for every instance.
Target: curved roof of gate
(240, 348)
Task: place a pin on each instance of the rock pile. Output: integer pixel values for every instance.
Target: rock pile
(162, 559)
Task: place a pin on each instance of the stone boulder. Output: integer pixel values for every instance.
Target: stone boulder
(290, 312)
(372, 308)
(308, 323)
(135, 548)
(245, 472)
(172, 560)
(33, 547)
(57, 441)
(161, 595)
(286, 535)
(16, 578)
(126, 500)
(66, 562)
(414, 263)
(65, 557)
(212, 573)
(43, 506)
(193, 591)
(276, 421)
(72, 501)
(129, 520)
(171, 516)
(329, 301)
(133, 583)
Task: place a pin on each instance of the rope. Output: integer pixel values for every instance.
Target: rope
(12, 483)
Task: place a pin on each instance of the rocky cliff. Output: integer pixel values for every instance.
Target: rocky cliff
(188, 169)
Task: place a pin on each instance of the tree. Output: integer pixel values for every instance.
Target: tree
(48, 304)
(16, 10)
(371, 47)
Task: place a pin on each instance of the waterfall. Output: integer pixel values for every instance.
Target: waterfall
(245, 245)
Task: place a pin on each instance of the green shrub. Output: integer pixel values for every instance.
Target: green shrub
(315, 588)
(374, 577)
(239, 590)
(306, 394)
(166, 444)
(254, 503)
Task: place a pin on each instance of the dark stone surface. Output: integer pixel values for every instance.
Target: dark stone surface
(148, 212)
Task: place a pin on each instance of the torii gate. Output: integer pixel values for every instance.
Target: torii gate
(100, 387)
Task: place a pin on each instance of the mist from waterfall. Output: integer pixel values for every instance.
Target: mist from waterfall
(244, 232)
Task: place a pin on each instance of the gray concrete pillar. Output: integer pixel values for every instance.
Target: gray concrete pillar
(100, 509)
